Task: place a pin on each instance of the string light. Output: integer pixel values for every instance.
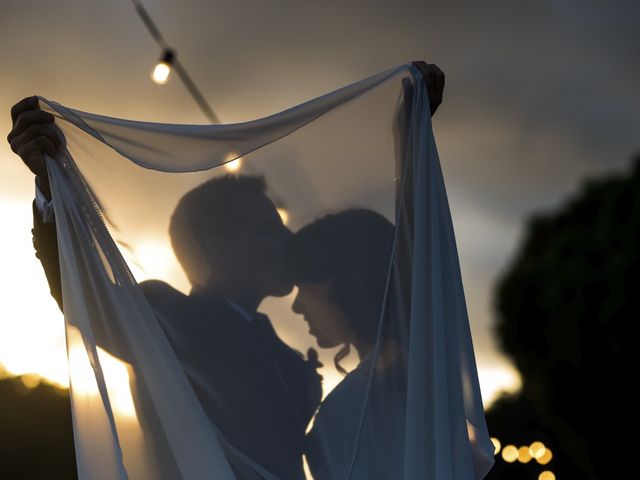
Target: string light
(161, 72)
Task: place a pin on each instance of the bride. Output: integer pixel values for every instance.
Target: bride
(340, 265)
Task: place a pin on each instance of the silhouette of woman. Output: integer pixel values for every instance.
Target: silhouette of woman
(340, 264)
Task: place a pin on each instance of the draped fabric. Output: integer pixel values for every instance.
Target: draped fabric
(276, 299)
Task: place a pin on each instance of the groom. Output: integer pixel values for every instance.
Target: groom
(261, 394)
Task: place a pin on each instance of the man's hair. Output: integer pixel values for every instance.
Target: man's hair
(207, 211)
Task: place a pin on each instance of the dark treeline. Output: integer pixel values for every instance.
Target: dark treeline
(36, 440)
(564, 312)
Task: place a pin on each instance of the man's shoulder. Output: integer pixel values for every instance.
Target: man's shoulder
(158, 287)
(162, 295)
(173, 305)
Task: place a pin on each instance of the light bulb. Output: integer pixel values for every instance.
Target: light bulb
(161, 73)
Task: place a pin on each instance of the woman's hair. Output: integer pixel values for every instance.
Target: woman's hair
(351, 249)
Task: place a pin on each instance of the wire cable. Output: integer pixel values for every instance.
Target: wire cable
(180, 70)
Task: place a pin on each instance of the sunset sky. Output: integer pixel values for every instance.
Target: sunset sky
(539, 95)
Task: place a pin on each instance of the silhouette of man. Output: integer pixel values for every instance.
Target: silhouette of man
(260, 393)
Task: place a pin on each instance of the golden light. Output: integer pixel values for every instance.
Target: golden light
(32, 339)
(524, 456)
(233, 165)
(115, 372)
(305, 467)
(284, 215)
(545, 458)
(510, 453)
(495, 379)
(81, 374)
(547, 475)
(156, 259)
(153, 258)
(117, 379)
(91, 411)
(496, 445)
(537, 449)
(30, 380)
(160, 73)
(471, 431)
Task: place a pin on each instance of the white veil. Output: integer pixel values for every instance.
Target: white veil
(275, 299)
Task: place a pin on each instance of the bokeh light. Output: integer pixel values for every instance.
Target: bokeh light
(510, 453)
(545, 458)
(537, 449)
(496, 445)
(524, 456)
(547, 475)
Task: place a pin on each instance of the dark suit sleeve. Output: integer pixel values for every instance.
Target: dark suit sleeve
(45, 243)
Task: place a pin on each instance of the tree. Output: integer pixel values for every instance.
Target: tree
(564, 311)
(37, 434)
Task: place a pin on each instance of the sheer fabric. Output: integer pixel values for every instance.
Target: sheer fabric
(276, 299)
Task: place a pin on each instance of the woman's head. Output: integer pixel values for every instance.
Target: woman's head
(340, 264)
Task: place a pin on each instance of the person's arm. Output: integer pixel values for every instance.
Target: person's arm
(33, 134)
(45, 243)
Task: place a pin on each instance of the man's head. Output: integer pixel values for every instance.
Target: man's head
(229, 237)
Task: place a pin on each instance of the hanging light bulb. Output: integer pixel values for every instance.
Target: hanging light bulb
(162, 70)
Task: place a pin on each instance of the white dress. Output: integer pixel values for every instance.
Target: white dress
(331, 442)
